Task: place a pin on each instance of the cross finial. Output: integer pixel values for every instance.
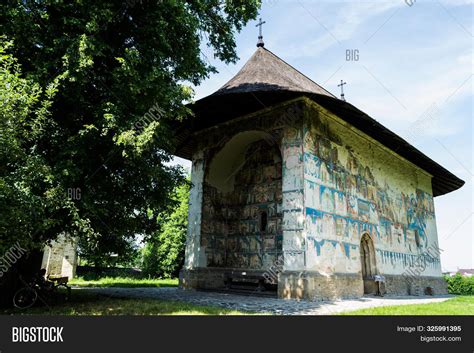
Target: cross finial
(260, 37)
(342, 89)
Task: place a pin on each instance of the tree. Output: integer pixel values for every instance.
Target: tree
(163, 255)
(24, 118)
(129, 255)
(116, 76)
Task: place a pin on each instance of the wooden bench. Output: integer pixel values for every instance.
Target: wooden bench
(60, 281)
(231, 277)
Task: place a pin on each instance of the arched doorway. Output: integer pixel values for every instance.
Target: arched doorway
(368, 265)
(242, 203)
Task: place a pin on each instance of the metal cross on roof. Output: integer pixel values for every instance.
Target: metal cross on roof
(342, 89)
(260, 37)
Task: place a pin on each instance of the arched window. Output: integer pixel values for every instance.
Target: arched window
(263, 221)
(417, 238)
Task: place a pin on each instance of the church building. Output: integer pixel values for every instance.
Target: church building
(299, 194)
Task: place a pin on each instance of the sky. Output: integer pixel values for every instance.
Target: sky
(410, 69)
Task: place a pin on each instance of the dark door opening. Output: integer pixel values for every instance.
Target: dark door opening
(367, 258)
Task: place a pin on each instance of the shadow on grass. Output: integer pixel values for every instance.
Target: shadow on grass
(82, 303)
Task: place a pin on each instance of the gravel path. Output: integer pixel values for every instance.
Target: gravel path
(263, 304)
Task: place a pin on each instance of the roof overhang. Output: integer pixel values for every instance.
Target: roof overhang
(217, 109)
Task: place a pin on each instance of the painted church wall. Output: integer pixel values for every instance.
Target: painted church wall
(293, 198)
(194, 254)
(353, 185)
(225, 146)
(241, 225)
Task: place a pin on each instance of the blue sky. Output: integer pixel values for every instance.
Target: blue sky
(413, 75)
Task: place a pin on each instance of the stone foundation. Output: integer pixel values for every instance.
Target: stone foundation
(201, 278)
(399, 285)
(214, 278)
(315, 286)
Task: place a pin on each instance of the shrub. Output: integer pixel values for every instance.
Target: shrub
(460, 284)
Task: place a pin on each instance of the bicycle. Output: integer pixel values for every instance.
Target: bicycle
(28, 295)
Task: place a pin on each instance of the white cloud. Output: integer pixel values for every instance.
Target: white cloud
(322, 27)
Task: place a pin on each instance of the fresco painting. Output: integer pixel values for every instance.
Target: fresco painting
(232, 231)
(344, 200)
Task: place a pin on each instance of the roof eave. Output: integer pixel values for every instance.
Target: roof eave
(443, 181)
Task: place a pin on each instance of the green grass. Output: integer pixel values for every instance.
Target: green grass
(83, 303)
(461, 305)
(125, 282)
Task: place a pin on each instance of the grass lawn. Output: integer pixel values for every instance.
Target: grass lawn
(82, 303)
(461, 305)
(123, 282)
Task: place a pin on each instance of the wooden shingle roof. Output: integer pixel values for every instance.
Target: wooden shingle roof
(266, 80)
(265, 71)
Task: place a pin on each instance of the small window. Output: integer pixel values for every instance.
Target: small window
(263, 221)
(417, 238)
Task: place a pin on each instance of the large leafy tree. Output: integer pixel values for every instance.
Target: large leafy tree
(121, 73)
(28, 191)
(163, 255)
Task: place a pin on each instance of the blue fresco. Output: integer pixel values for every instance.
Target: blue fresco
(367, 207)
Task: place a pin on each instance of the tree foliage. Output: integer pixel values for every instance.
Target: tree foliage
(458, 284)
(30, 195)
(101, 84)
(163, 255)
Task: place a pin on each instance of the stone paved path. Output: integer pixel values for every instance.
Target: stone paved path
(263, 304)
